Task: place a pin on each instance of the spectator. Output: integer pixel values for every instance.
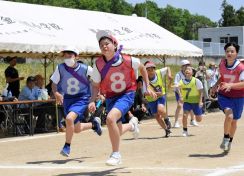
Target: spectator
(213, 75)
(203, 77)
(12, 77)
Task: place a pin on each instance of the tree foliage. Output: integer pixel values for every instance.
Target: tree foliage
(230, 16)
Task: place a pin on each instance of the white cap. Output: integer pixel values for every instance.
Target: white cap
(103, 33)
(72, 49)
(184, 62)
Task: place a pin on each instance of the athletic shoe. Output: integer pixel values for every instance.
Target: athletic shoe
(185, 133)
(65, 151)
(177, 124)
(167, 132)
(229, 146)
(225, 145)
(167, 122)
(134, 121)
(96, 125)
(113, 160)
(194, 123)
(62, 129)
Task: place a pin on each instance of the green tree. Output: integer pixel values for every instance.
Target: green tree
(229, 17)
(240, 16)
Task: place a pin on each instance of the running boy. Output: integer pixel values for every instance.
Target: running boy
(157, 105)
(71, 88)
(190, 92)
(115, 78)
(231, 92)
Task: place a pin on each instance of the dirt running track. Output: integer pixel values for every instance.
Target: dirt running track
(151, 154)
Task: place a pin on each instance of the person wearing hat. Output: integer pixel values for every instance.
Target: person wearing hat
(12, 77)
(71, 88)
(213, 75)
(157, 105)
(114, 77)
(179, 76)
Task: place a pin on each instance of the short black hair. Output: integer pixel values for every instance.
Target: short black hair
(237, 47)
(30, 79)
(9, 59)
(201, 63)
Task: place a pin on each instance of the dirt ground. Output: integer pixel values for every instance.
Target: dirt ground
(152, 154)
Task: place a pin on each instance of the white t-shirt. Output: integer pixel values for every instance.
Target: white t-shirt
(56, 76)
(179, 76)
(96, 76)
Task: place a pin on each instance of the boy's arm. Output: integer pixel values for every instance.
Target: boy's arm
(95, 91)
(228, 86)
(58, 96)
(144, 74)
(169, 77)
(200, 97)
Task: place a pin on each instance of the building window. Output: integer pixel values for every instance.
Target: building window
(234, 40)
(223, 39)
(206, 42)
(229, 39)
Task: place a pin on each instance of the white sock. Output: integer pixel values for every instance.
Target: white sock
(116, 155)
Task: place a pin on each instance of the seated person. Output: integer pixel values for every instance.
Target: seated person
(29, 92)
(139, 107)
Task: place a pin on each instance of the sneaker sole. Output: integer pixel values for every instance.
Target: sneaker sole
(110, 164)
(64, 154)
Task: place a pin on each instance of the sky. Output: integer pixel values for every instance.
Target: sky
(208, 8)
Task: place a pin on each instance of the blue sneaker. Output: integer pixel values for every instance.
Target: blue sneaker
(65, 151)
(96, 123)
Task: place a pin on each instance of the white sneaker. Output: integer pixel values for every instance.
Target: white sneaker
(134, 121)
(114, 160)
(185, 134)
(226, 144)
(177, 124)
(194, 123)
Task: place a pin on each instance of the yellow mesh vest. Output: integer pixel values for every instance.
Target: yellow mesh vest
(157, 86)
(189, 91)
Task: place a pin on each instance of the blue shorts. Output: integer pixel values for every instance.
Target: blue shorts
(153, 106)
(122, 103)
(197, 110)
(77, 105)
(235, 104)
(177, 97)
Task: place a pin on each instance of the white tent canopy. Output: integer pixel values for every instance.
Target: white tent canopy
(38, 31)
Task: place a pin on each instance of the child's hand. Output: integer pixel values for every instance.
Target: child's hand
(152, 93)
(225, 86)
(59, 98)
(92, 107)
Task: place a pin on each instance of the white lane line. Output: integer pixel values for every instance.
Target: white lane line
(86, 167)
(227, 171)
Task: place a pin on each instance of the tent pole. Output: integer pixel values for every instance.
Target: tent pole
(165, 86)
(45, 69)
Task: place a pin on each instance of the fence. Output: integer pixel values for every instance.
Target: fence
(214, 49)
